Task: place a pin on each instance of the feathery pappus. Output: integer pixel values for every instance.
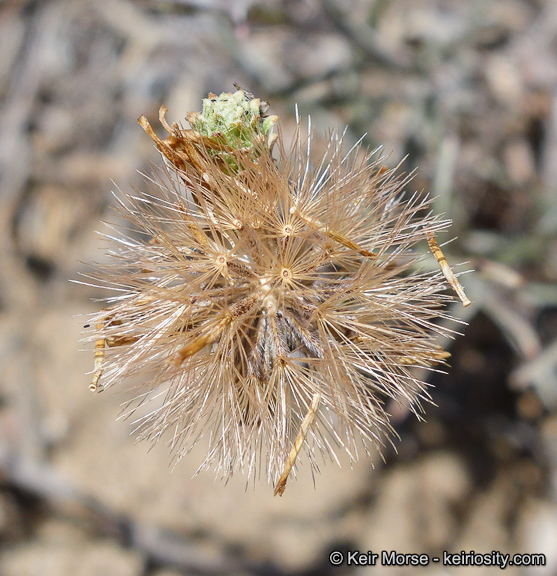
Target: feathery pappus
(273, 300)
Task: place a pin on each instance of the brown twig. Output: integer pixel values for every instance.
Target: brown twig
(300, 439)
(446, 269)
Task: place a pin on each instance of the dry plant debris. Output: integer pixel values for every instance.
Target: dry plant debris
(276, 304)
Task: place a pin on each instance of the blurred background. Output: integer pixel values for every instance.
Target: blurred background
(464, 91)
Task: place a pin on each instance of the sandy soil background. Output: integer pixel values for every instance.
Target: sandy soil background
(466, 91)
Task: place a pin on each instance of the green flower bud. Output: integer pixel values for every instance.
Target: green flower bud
(235, 119)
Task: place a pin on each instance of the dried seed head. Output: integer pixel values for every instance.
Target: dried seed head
(269, 298)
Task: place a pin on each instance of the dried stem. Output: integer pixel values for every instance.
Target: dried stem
(99, 360)
(446, 269)
(300, 439)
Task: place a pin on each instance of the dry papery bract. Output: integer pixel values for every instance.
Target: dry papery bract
(276, 304)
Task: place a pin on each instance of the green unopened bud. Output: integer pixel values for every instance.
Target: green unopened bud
(234, 119)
